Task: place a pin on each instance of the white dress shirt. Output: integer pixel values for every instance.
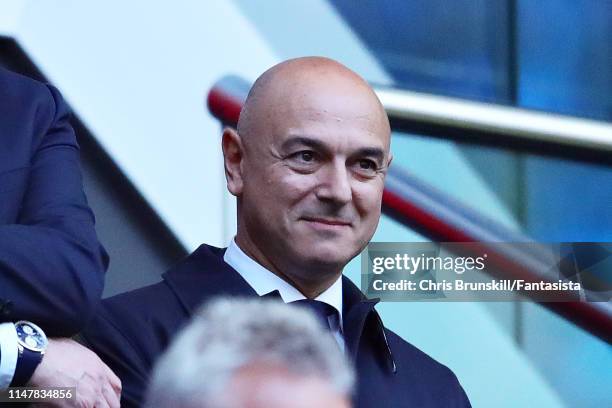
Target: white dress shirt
(263, 282)
(8, 354)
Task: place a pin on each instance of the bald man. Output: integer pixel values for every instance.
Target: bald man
(307, 166)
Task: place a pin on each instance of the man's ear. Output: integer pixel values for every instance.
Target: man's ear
(233, 155)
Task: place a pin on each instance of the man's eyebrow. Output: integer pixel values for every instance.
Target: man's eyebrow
(303, 141)
(374, 152)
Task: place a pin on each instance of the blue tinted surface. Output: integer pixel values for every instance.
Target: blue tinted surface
(565, 56)
(454, 47)
(568, 201)
(565, 53)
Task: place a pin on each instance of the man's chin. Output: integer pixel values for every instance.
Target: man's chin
(326, 256)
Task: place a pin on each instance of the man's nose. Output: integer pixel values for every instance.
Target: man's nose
(335, 184)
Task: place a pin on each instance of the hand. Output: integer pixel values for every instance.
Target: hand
(69, 364)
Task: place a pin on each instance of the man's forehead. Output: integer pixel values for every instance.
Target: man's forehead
(322, 130)
(286, 110)
(329, 107)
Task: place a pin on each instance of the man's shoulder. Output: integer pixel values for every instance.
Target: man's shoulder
(143, 302)
(23, 92)
(13, 82)
(138, 311)
(162, 306)
(29, 101)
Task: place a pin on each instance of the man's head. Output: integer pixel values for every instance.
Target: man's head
(251, 354)
(307, 166)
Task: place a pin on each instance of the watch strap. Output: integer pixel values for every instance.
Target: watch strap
(27, 362)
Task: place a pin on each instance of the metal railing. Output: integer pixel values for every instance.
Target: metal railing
(498, 126)
(441, 218)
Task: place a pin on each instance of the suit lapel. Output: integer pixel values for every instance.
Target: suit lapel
(357, 309)
(359, 315)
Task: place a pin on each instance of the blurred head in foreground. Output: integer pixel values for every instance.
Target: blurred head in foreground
(239, 353)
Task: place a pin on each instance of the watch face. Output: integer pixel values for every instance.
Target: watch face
(31, 336)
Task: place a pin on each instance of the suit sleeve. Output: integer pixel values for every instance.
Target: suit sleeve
(51, 263)
(124, 356)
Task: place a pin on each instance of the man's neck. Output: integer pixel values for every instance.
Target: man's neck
(310, 288)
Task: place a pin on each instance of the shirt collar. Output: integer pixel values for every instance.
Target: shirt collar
(263, 281)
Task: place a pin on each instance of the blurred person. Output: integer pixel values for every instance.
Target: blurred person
(307, 165)
(239, 353)
(51, 263)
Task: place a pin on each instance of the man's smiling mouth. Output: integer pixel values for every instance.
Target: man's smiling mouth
(330, 222)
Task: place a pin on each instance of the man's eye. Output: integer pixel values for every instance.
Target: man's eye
(306, 156)
(367, 165)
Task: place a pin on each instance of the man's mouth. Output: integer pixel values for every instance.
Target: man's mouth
(328, 221)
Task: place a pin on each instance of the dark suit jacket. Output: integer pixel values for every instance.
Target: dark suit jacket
(131, 330)
(51, 263)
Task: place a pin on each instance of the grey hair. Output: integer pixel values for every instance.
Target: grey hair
(227, 334)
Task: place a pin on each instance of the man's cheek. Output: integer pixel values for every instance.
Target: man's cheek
(296, 182)
(368, 201)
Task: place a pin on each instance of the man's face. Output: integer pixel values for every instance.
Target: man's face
(314, 174)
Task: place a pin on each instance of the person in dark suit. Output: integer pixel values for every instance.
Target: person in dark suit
(307, 165)
(51, 263)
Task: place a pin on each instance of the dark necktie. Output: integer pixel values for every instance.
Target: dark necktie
(322, 311)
